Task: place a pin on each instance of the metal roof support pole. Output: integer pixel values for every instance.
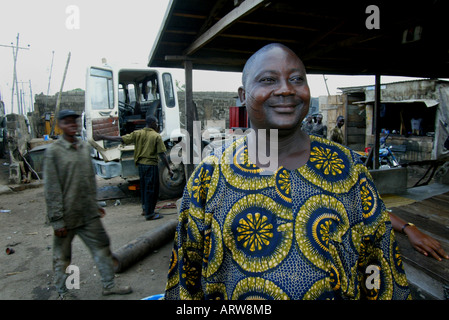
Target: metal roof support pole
(245, 8)
(189, 116)
(376, 121)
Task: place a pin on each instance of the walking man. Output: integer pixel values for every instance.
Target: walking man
(148, 146)
(336, 133)
(72, 209)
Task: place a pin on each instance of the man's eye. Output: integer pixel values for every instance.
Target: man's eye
(266, 80)
(297, 79)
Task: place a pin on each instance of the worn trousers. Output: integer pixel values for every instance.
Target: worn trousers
(149, 188)
(96, 239)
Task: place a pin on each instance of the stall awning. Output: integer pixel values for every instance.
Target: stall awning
(334, 37)
(428, 102)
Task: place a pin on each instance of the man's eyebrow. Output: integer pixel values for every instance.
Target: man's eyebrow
(269, 71)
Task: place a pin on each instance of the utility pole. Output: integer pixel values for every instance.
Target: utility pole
(58, 102)
(15, 51)
(22, 106)
(49, 78)
(31, 98)
(325, 82)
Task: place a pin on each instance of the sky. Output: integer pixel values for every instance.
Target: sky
(121, 32)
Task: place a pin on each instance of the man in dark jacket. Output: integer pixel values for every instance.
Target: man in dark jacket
(72, 209)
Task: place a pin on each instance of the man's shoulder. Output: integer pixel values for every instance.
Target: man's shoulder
(148, 132)
(85, 144)
(328, 143)
(54, 146)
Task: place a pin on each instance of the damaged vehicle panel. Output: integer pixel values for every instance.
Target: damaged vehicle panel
(117, 102)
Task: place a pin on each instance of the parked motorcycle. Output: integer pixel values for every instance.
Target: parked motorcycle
(386, 155)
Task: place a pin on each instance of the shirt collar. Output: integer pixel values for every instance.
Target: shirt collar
(67, 144)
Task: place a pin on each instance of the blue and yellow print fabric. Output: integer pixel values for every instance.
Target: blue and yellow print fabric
(308, 233)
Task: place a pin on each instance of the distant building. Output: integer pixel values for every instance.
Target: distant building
(416, 113)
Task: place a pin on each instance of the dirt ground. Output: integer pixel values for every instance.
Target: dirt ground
(27, 273)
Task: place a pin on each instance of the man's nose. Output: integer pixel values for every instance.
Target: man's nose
(285, 88)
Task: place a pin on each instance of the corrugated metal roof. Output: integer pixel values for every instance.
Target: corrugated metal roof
(428, 102)
(330, 37)
(363, 88)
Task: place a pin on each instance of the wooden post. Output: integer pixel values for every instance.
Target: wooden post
(58, 102)
(189, 116)
(31, 98)
(15, 82)
(13, 79)
(49, 78)
(377, 101)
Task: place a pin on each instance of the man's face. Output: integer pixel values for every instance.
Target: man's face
(276, 92)
(155, 126)
(69, 125)
(340, 123)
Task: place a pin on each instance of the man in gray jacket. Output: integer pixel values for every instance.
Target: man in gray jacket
(72, 209)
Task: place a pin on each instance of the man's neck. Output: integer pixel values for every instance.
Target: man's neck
(70, 139)
(292, 149)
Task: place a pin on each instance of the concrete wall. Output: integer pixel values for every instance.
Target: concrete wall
(73, 99)
(390, 181)
(2, 108)
(407, 90)
(47, 104)
(212, 107)
(18, 140)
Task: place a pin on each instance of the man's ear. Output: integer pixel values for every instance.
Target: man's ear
(242, 95)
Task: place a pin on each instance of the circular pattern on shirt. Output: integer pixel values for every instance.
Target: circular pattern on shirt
(199, 183)
(214, 248)
(216, 291)
(283, 185)
(369, 198)
(396, 262)
(320, 290)
(334, 280)
(173, 261)
(239, 171)
(254, 288)
(258, 232)
(321, 219)
(172, 271)
(190, 275)
(378, 284)
(330, 166)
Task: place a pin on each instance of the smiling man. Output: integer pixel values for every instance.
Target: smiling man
(314, 228)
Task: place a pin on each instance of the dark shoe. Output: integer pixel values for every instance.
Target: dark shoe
(117, 290)
(143, 212)
(67, 296)
(153, 217)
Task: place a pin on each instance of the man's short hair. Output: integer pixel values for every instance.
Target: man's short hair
(249, 63)
(150, 119)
